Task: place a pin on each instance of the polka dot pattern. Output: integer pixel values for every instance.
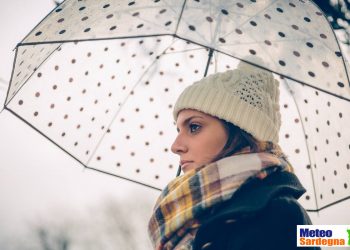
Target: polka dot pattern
(287, 36)
(28, 60)
(108, 103)
(80, 20)
(237, 28)
(325, 119)
(119, 118)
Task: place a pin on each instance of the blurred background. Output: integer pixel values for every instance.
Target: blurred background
(48, 201)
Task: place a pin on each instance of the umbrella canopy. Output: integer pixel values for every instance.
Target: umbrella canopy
(99, 79)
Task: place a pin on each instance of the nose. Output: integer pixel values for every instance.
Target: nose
(178, 146)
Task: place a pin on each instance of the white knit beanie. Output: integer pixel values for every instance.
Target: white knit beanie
(248, 97)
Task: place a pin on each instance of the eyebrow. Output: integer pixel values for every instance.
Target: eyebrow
(187, 120)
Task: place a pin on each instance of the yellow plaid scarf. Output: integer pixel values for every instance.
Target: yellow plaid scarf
(184, 200)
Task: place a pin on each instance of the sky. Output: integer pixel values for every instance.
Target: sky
(37, 178)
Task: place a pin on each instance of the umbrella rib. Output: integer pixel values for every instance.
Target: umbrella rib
(85, 166)
(243, 23)
(216, 31)
(182, 51)
(180, 17)
(147, 21)
(124, 178)
(208, 62)
(9, 86)
(306, 141)
(316, 38)
(41, 22)
(328, 205)
(125, 100)
(63, 41)
(273, 71)
(28, 76)
(93, 39)
(37, 130)
(313, 37)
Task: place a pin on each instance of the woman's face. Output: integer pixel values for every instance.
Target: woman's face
(200, 138)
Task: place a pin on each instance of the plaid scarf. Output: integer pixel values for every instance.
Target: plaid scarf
(178, 210)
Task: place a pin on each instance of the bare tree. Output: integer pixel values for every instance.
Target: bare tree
(110, 225)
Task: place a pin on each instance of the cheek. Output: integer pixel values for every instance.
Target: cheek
(218, 143)
(210, 146)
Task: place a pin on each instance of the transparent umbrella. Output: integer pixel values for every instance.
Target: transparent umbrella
(99, 79)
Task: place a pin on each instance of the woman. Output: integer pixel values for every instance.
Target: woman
(238, 190)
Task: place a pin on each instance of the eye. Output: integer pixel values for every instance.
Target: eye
(194, 127)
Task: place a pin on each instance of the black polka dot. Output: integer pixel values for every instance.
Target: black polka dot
(312, 74)
(251, 51)
(222, 40)
(225, 12)
(267, 42)
(253, 23)
(325, 64)
(191, 27)
(296, 53)
(310, 45)
(340, 84)
(282, 63)
(209, 19)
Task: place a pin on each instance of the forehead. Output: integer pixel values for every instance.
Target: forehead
(186, 114)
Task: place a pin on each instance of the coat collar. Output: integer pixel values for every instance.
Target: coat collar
(254, 195)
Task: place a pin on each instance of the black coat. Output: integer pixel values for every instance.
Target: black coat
(267, 213)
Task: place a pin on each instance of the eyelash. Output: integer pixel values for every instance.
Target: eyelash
(194, 125)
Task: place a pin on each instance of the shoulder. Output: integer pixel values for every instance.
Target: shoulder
(273, 227)
(288, 209)
(279, 221)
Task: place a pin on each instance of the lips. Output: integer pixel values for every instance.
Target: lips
(184, 165)
(184, 162)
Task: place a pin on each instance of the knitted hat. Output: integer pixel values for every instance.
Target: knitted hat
(248, 97)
